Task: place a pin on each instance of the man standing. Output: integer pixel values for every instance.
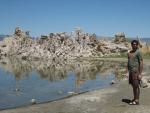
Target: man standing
(134, 68)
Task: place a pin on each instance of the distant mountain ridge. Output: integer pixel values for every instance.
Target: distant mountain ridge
(147, 40)
(3, 36)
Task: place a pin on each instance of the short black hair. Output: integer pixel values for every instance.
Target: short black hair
(135, 41)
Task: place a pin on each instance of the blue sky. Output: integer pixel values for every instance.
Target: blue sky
(103, 17)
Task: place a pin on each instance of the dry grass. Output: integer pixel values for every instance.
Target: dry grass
(145, 50)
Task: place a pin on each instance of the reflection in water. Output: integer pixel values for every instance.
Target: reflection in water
(56, 70)
(50, 80)
(21, 81)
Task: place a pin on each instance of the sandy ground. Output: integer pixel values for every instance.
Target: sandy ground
(112, 99)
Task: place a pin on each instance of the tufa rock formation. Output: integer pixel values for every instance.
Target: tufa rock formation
(60, 45)
(119, 38)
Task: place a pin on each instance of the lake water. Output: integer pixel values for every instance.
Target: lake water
(21, 81)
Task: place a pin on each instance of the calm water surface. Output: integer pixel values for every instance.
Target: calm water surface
(21, 81)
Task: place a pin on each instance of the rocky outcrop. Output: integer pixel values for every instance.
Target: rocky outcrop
(119, 38)
(58, 45)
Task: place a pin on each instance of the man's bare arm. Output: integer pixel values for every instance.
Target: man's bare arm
(141, 67)
(140, 70)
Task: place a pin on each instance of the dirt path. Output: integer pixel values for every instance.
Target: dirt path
(115, 105)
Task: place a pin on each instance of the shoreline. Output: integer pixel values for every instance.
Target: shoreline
(106, 100)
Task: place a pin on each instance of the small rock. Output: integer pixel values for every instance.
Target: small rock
(72, 93)
(60, 92)
(148, 80)
(112, 82)
(143, 84)
(16, 90)
(33, 101)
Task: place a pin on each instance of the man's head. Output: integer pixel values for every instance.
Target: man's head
(134, 44)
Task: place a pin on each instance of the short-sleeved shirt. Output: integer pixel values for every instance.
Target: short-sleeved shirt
(134, 61)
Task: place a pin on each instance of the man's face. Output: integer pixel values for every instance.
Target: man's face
(134, 45)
